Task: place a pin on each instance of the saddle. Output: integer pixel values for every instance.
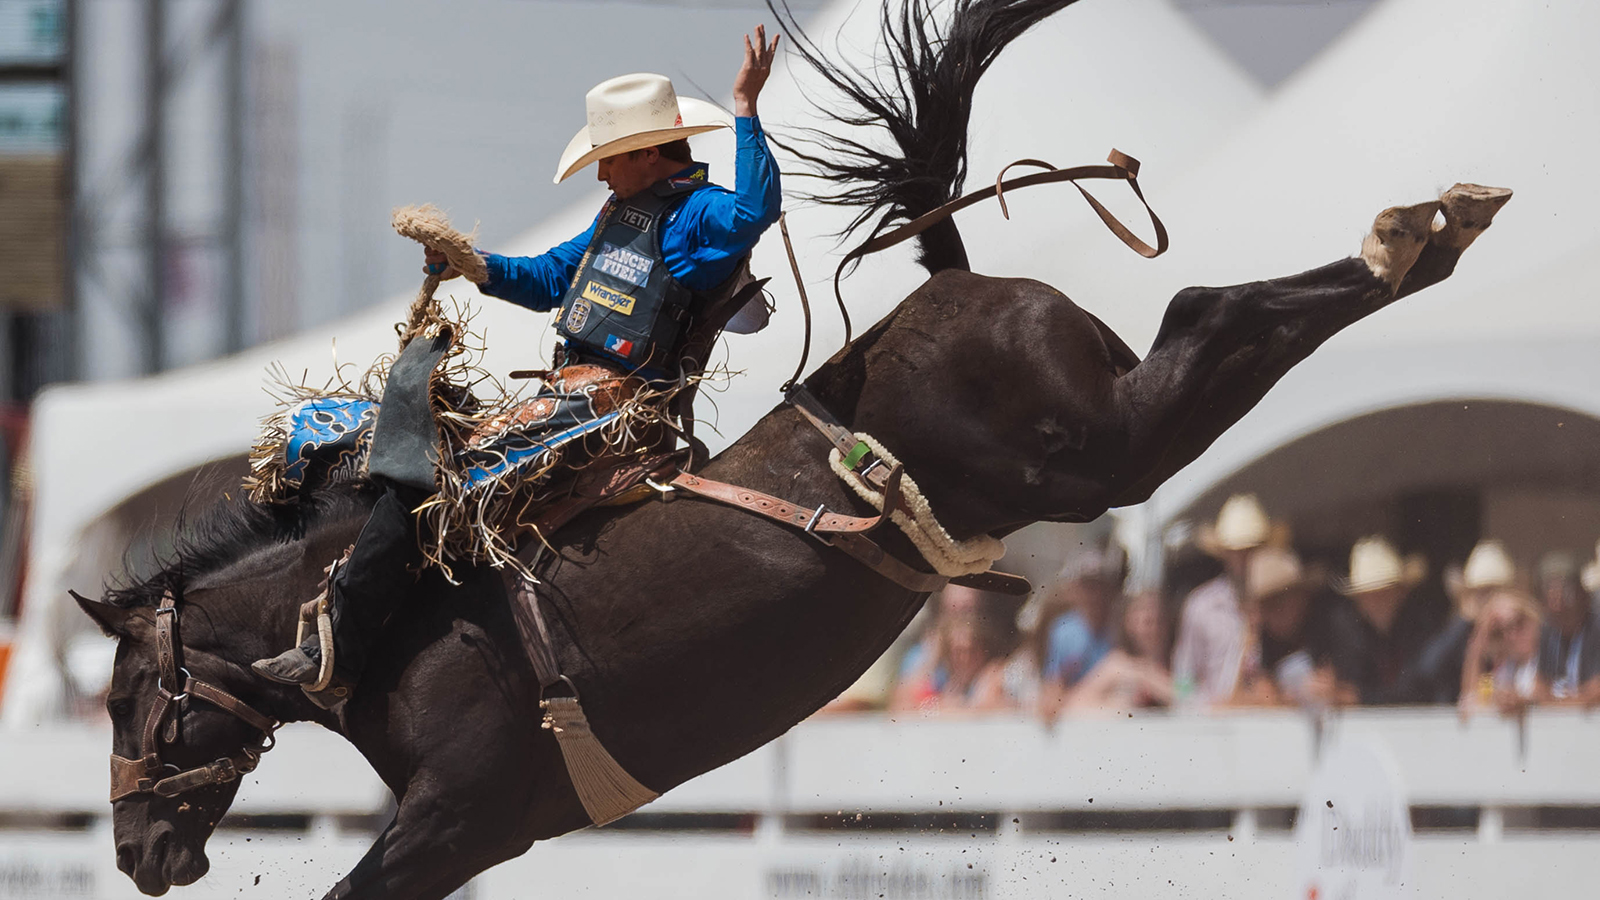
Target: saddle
(591, 436)
(596, 477)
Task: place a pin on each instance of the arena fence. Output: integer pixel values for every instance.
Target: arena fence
(925, 809)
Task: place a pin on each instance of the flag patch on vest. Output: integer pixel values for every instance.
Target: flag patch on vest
(634, 217)
(608, 298)
(578, 315)
(620, 262)
(619, 346)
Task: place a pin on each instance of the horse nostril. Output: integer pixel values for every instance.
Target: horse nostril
(127, 858)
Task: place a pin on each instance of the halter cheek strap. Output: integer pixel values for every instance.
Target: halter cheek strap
(144, 775)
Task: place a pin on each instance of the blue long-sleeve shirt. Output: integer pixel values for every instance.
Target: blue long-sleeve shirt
(702, 239)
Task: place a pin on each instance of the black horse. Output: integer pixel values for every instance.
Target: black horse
(696, 632)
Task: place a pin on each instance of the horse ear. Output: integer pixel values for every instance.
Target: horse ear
(113, 620)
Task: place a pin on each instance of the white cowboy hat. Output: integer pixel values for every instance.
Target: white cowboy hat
(632, 112)
(1590, 576)
(1488, 565)
(1241, 525)
(1274, 571)
(1488, 568)
(1375, 565)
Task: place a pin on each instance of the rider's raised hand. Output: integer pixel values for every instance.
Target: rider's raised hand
(435, 263)
(753, 74)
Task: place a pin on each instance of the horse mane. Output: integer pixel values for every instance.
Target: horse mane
(920, 93)
(231, 528)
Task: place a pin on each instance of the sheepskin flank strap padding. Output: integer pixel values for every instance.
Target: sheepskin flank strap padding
(948, 556)
(606, 790)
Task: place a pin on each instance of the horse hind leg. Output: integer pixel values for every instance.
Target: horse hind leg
(1468, 210)
(1396, 241)
(1221, 349)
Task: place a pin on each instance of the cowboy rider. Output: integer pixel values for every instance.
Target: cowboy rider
(705, 232)
(664, 244)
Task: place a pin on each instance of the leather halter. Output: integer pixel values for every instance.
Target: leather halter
(143, 775)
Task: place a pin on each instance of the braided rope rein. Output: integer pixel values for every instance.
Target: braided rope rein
(429, 226)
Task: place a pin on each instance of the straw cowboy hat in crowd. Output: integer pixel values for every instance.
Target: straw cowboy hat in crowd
(1590, 576)
(632, 112)
(1376, 565)
(1488, 568)
(1241, 525)
(1274, 571)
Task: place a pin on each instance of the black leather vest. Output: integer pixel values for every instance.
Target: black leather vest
(624, 305)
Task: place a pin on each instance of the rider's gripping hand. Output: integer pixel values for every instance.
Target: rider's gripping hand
(753, 74)
(435, 263)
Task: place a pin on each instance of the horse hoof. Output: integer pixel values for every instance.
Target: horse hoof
(1468, 210)
(1398, 236)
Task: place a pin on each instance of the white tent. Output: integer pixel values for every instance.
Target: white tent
(97, 444)
(1422, 93)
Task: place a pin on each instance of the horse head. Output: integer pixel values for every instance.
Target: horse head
(188, 717)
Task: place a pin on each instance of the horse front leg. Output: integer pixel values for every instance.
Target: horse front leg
(438, 841)
(428, 851)
(1221, 349)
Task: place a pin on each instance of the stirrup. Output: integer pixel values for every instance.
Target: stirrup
(316, 615)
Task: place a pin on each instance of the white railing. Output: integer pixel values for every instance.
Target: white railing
(1102, 808)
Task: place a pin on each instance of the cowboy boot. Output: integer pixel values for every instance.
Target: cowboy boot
(361, 591)
(297, 665)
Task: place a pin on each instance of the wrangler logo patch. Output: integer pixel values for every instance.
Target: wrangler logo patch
(620, 262)
(578, 316)
(608, 298)
(634, 217)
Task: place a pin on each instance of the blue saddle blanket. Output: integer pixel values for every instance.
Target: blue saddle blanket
(328, 439)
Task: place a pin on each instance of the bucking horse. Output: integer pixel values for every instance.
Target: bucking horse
(697, 632)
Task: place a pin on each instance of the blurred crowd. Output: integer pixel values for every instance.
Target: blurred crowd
(1266, 630)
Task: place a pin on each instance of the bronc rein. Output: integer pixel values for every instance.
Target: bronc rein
(164, 723)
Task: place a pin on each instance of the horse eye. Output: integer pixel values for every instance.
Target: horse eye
(120, 709)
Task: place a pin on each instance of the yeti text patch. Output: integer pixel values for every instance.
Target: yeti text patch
(633, 217)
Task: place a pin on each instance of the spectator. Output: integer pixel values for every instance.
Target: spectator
(1502, 659)
(1285, 658)
(1436, 675)
(1134, 674)
(1024, 671)
(1076, 641)
(1373, 652)
(960, 664)
(1590, 577)
(1211, 627)
(1569, 645)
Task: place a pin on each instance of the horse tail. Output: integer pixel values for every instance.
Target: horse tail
(921, 95)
